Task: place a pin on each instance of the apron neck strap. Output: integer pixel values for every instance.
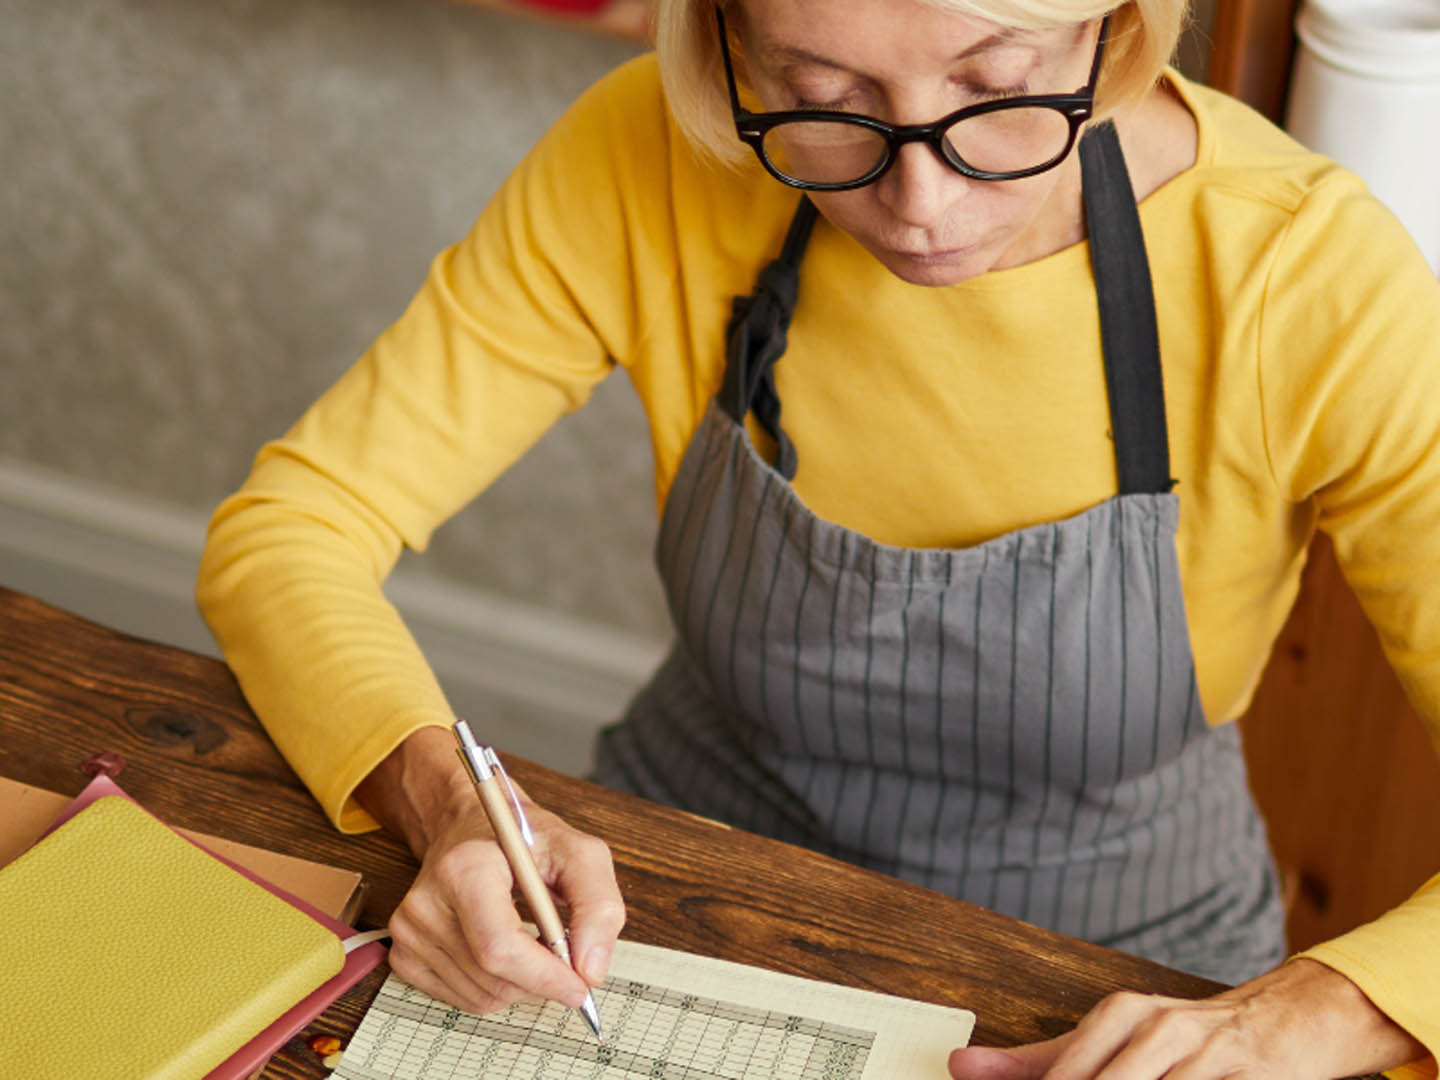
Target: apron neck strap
(1129, 334)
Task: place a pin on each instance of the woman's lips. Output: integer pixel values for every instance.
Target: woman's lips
(932, 258)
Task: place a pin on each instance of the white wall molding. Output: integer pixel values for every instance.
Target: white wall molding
(540, 682)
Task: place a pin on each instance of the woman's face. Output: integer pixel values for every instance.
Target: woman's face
(905, 62)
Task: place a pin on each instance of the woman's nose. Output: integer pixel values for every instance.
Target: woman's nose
(918, 186)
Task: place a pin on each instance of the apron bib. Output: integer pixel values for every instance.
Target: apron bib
(1015, 724)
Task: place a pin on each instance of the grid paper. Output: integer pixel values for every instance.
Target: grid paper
(650, 1032)
(667, 1015)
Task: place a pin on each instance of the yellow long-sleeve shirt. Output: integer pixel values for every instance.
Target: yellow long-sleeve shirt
(1300, 333)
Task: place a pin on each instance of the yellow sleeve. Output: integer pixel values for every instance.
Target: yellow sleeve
(1352, 401)
(1394, 960)
(512, 328)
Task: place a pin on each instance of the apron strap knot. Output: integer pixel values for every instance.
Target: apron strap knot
(756, 337)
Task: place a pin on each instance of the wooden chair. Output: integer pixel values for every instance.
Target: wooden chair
(1340, 763)
(1252, 47)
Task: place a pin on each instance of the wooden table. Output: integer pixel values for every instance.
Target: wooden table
(198, 758)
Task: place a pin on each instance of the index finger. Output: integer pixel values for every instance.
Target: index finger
(584, 877)
(498, 944)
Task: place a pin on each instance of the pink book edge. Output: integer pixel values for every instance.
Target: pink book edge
(253, 1055)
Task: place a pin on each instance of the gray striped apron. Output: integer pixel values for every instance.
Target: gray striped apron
(1014, 723)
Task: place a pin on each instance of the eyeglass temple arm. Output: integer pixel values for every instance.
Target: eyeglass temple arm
(1099, 51)
(725, 59)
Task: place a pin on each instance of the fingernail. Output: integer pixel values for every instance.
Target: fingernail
(595, 964)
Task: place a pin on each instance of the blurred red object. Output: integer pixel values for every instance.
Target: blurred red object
(111, 764)
(569, 7)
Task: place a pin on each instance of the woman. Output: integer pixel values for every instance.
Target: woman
(935, 615)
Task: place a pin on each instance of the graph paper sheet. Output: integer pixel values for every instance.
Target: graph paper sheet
(667, 1015)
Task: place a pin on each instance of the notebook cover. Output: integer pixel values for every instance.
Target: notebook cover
(252, 1054)
(27, 813)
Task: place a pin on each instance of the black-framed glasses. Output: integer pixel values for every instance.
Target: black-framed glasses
(1004, 139)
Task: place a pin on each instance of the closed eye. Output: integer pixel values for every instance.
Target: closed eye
(973, 92)
(834, 105)
(993, 93)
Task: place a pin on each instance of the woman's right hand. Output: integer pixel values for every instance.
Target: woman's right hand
(457, 935)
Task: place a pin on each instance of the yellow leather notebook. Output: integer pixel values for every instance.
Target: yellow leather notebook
(131, 954)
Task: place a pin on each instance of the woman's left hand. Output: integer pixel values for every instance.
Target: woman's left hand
(1303, 1020)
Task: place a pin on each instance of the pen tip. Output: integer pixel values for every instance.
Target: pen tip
(592, 1016)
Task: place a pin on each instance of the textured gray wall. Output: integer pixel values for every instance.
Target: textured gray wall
(209, 209)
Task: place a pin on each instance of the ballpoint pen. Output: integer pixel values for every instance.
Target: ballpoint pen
(512, 830)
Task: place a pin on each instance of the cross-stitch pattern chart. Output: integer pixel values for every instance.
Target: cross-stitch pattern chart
(651, 1031)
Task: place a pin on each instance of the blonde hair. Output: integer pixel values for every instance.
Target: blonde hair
(1142, 38)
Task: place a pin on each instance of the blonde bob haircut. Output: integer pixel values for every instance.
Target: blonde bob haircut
(1143, 35)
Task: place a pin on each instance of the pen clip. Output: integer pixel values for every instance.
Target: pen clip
(493, 760)
(472, 754)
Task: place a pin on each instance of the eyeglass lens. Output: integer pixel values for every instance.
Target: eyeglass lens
(839, 152)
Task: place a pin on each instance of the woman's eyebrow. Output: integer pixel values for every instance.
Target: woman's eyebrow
(794, 54)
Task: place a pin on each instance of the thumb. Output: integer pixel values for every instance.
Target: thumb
(1028, 1062)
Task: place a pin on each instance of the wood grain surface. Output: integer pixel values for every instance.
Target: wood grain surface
(196, 756)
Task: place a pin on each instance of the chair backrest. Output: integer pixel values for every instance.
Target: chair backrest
(1253, 45)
